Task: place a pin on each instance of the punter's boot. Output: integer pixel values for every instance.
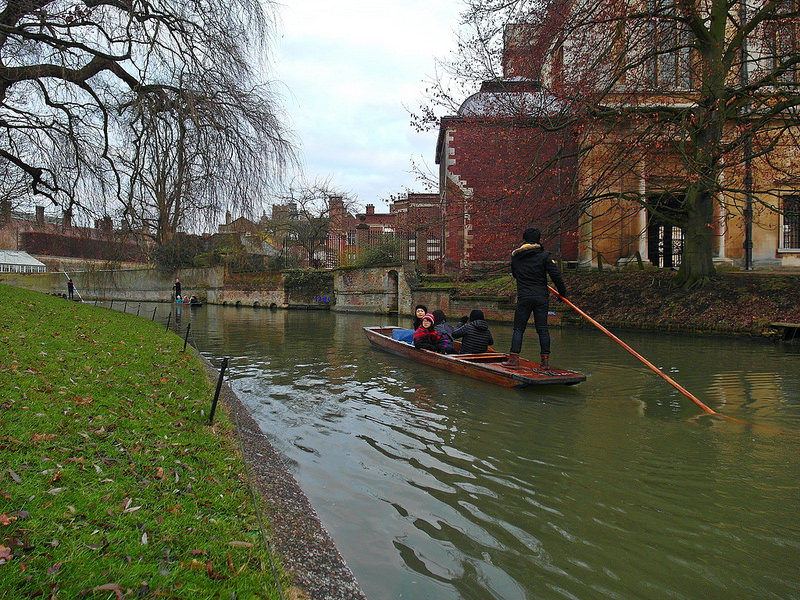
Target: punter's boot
(512, 360)
(545, 361)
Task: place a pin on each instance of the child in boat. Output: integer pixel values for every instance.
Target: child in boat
(475, 334)
(444, 329)
(420, 310)
(426, 337)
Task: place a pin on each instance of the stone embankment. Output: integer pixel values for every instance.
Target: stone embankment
(735, 302)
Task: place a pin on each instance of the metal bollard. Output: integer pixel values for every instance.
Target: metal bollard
(219, 386)
(186, 339)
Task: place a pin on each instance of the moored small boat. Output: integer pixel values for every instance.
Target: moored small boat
(486, 366)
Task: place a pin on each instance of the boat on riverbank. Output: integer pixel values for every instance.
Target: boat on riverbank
(486, 366)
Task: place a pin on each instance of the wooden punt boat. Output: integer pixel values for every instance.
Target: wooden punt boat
(486, 366)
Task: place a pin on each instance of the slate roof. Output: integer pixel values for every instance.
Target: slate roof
(18, 257)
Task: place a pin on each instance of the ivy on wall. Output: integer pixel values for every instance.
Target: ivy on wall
(308, 282)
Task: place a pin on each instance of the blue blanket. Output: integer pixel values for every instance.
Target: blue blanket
(403, 335)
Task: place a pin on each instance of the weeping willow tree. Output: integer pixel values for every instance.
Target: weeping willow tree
(100, 98)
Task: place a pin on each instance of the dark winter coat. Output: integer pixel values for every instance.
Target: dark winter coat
(446, 331)
(476, 337)
(428, 339)
(530, 266)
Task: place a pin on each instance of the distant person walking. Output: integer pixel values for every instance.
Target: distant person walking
(530, 266)
(177, 288)
(70, 289)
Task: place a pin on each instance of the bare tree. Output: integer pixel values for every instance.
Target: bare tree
(303, 218)
(198, 149)
(688, 96)
(75, 76)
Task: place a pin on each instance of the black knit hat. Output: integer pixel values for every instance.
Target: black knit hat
(476, 315)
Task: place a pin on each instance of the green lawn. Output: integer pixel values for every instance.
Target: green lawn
(112, 484)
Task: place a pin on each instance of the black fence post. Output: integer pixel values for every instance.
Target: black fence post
(186, 339)
(138, 308)
(112, 304)
(219, 386)
(169, 318)
(153, 318)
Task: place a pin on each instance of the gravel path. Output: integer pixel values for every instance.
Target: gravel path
(306, 549)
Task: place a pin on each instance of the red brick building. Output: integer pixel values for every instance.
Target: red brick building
(413, 222)
(502, 170)
(54, 238)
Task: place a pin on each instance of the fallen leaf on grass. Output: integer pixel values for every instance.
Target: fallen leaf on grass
(109, 587)
(14, 476)
(240, 544)
(212, 574)
(5, 554)
(195, 564)
(6, 519)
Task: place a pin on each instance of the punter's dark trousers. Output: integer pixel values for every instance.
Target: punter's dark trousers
(539, 306)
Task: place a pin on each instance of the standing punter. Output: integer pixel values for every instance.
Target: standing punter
(530, 266)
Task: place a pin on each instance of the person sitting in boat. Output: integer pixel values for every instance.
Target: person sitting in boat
(426, 337)
(420, 310)
(444, 329)
(475, 334)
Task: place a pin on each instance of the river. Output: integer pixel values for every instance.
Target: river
(438, 487)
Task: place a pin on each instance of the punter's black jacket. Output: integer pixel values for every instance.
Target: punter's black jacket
(530, 266)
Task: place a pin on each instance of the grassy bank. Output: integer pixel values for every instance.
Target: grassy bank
(734, 303)
(112, 484)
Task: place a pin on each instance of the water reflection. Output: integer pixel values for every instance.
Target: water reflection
(435, 486)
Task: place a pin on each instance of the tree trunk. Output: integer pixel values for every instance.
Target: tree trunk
(697, 265)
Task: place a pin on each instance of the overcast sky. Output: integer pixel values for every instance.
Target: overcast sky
(348, 68)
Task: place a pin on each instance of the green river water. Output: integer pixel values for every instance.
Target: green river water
(439, 487)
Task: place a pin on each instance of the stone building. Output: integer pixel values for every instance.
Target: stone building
(505, 160)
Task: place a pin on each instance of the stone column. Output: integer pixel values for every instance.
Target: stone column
(362, 235)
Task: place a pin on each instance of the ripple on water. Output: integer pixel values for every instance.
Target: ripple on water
(438, 487)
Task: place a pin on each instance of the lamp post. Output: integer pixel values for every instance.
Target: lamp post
(748, 153)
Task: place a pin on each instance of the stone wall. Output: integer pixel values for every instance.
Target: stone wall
(135, 284)
(373, 290)
(376, 290)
